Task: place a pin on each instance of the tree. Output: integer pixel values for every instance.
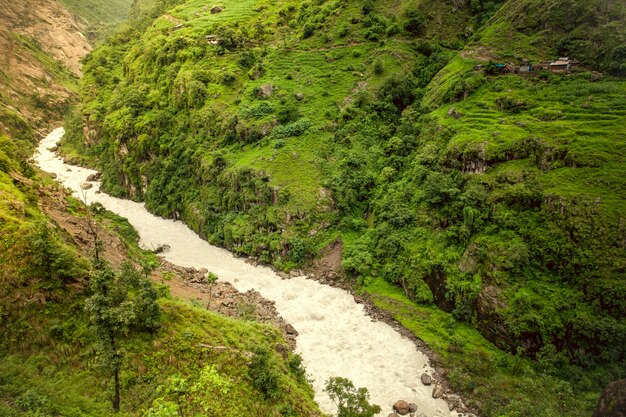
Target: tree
(211, 279)
(119, 303)
(351, 402)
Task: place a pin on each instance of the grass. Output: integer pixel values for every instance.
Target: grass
(71, 384)
(566, 113)
(495, 382)
(548, 138)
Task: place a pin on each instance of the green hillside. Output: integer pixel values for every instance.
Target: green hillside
(51, 362)
(51, 359)
(100, 17)
(277, 128)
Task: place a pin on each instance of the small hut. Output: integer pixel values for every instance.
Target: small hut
(561, 66)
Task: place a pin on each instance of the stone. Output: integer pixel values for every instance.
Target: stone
(94, 177)
(427, 379)
(401, 407)
(290, 330)
(203, 271)
(612, 401)
(86, 186)
(282, 349)
(265, 91)
(437, 391)
(453, 398)
(412, 408)
(162, 249)
(299, 96)
(216, 9)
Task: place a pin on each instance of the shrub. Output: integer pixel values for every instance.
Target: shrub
(296, 368)
(415, 22)
(378, 67)
(264, 372)
(308, 30)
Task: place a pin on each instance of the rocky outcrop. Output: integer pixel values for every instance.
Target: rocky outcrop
(222, 297)
(612, 402)
(55, 30)
(489, 321)
(32, 32)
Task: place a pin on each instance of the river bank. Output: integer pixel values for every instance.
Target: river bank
(336, 336)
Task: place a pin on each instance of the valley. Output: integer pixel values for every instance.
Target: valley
(390, 188)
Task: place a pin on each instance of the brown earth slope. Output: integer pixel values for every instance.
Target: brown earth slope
(41, 46)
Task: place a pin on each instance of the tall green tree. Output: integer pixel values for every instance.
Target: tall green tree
(119, 304)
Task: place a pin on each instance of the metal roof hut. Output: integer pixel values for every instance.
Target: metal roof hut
(560, 67)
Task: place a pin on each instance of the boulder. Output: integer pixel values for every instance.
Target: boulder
(94, 177)
(86, 186)
(162, 249)
(282, 349)
(290, 330)
(612, 401)
(427, 379)
(216, 9)
(437, 391)
(401, 407)
(265, 91)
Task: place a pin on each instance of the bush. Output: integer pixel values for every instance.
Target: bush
(415, 22)
(293, 129)
(378, 67)
(308, 30)
(264, 372)
(296, 368)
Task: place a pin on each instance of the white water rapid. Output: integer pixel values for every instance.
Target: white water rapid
(336, 337)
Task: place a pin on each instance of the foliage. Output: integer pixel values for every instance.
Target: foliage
(498, 198)
(183, 397)
(264, 373)
(114, 310)
(351, 402)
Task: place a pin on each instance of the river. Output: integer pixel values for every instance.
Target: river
(336, 337)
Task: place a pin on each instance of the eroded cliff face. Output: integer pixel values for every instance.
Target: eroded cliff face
(41, 46)
(56, 31)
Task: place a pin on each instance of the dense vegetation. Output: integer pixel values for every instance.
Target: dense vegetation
(72, 329)
(66, 327)
(277, 128)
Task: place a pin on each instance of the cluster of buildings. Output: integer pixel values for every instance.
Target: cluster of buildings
(563, 65)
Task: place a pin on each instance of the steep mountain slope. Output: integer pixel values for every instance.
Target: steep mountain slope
(99, 17)
(40, 49)
(50, 357)
(278, 129)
